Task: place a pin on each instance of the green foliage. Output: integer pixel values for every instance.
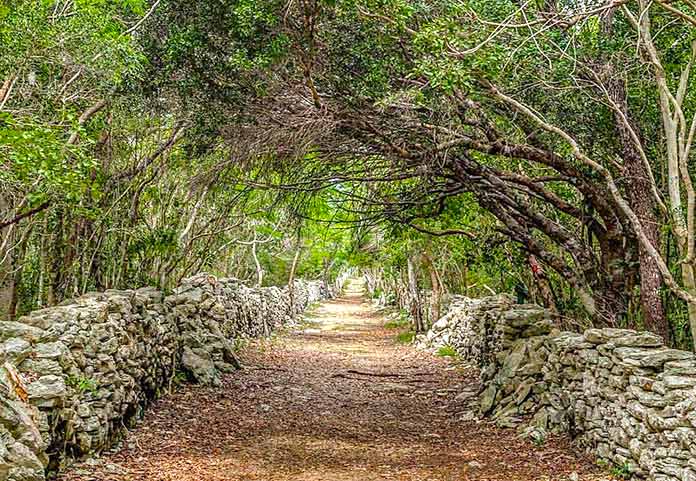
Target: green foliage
(400, 322)
(623, 471)
(446, 351)
(207, 56)
(406, 337)
(181, 377)
(68, 59)
(82, 384)
(205, 107)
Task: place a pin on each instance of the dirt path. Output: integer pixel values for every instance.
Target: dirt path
(311, 406)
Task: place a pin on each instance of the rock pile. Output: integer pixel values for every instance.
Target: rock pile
(74, 376)
(469, 327)
(621, 393)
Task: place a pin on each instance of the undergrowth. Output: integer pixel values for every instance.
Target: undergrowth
(621, 472)
(400, 322)
(82, 384)
(617, 472)
(405, 337)
(446, 351)
(396, 324)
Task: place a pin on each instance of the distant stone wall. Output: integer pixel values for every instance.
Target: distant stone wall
(620, 393)
(74, 376)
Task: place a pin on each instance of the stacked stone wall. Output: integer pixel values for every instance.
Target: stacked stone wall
(75, 376)
(620, 394)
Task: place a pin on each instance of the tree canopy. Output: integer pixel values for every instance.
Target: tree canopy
(542, 149)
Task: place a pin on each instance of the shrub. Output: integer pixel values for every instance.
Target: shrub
(405, 337)
(446, 351)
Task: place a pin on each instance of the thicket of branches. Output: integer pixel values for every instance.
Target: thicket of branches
(543, 148)
(108, 183)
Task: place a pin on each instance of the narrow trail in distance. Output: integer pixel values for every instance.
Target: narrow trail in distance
(337, 400)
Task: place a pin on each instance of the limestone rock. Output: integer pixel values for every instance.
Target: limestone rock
(201, 368)
(15, 350)
(91, 365)
(625, 397)
(47, 391)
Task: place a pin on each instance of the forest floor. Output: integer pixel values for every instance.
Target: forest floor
(337, 399)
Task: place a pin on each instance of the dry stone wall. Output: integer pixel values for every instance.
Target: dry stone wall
(621, 394)
(76, 375)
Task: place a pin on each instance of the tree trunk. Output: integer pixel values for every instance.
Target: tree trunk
(639, 195)
(542, 282)
(326, 274)
(638, 188)
(19, 271)
(54, 264)
(689, 281)
(259, 268)
(465, 278)
(6, 261)
(291, 280)
(436, 287)
(414, 295)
